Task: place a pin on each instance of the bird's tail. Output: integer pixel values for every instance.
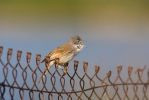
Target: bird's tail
(48, 66)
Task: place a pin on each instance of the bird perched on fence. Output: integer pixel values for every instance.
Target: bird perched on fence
(64, 53)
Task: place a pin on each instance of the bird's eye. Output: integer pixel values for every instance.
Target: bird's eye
(74, 43)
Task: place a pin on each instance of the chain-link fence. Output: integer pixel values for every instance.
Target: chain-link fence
(19, 81)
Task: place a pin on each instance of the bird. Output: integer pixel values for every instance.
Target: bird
(64, 53)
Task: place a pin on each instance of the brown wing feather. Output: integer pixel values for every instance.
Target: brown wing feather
(60, 51)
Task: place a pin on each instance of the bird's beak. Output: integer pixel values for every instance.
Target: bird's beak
(84, 41)
(84, 46)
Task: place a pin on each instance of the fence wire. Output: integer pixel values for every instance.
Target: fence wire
(19, 81)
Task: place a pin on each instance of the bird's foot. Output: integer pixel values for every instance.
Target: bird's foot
(64, 72)
(65, 69)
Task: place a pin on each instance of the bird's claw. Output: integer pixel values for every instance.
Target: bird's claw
(64, 72)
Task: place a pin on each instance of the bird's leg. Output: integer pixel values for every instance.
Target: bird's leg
(65, 69)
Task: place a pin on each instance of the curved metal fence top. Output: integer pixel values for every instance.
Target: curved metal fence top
(22, 79)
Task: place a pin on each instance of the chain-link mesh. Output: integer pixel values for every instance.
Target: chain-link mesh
(19, 81)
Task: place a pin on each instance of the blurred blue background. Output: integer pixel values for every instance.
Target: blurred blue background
(117, 31)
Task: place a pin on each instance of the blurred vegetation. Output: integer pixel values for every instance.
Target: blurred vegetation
(60, 8)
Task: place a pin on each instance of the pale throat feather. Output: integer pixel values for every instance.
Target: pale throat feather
(79, 47)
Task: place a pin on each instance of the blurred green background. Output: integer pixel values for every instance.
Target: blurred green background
(117, 31)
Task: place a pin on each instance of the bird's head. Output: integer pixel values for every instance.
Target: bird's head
(76, 41)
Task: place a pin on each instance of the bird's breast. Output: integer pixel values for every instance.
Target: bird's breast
(66, 58)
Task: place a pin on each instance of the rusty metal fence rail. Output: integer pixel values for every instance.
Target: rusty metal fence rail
(19, 81)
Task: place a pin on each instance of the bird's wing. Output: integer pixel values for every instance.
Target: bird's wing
(60, 51)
